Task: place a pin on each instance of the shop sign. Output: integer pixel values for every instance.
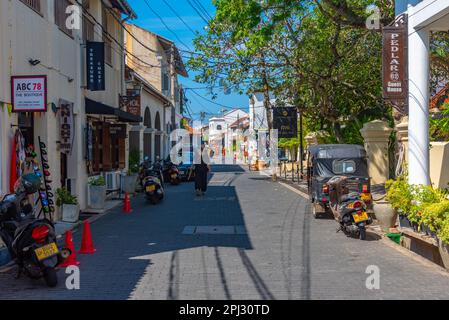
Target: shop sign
(29, 93)
(66, 126)
(131, 102)
(285, 120)
(118, 130)
(395, 58)
(95, 66)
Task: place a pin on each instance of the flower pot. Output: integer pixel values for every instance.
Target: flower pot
(70, 213)
(97, 197)
(404, 222)
(443, 248)
(385, 214)
(129, 183)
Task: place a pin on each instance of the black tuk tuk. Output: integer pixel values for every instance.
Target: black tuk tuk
(328, 160)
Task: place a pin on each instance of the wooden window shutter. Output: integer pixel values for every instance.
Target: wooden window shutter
(107, 154)
(121, 153)
(97, 135)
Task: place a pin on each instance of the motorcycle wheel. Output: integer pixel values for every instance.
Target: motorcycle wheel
(50, 277)
(362, 234)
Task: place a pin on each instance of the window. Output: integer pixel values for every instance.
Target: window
(61, 15)
(33, 4)
(343, 166)
(219, 127)
(165, 81)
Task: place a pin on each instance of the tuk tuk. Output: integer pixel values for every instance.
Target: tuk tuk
(329, 160)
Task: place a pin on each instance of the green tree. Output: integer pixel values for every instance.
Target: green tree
(312, 54)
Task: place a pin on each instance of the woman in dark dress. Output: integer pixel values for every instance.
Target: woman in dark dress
(201, 175)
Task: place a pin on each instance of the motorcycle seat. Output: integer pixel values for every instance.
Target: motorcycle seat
(350, 197)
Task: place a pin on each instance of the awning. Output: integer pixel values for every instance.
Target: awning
(94, 107)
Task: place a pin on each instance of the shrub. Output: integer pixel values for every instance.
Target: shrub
(63, 196)
(97, 182)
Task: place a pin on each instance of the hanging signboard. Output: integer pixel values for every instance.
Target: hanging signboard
(131, 102)
(285, 120)
(66, 126)
(29, 93)
(95, 66)
(395, 56)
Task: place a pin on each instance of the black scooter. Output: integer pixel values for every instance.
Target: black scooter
(353, 216)
(153, 185)
(31, 242)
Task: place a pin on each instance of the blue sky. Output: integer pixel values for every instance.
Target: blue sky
(148, 20)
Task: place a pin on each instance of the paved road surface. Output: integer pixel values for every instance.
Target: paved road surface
(249, 238)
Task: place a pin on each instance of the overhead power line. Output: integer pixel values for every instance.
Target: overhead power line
(165, 25)
(179, 17)
(198, 12)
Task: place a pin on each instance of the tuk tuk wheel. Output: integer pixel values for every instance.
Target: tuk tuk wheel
(317, 210)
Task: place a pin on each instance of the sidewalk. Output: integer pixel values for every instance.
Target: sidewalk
(62, 227)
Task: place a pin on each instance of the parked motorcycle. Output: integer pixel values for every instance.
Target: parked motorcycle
(31, 242)
(153, 185)
(171, 173)
(348, 208)
(144, 166)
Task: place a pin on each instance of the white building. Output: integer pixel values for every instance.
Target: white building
(423, 17)
(35, 41)
(221, 133)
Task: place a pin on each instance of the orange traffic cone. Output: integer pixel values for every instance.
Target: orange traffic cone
(127, 204)
(87, 245)
(71, 260)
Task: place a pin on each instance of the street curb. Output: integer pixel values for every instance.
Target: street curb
(5, 262)
(383, 239)
(418, 258)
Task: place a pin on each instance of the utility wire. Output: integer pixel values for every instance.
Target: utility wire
(165, 25)
(206, 14)
(198, 12)
(179, 17)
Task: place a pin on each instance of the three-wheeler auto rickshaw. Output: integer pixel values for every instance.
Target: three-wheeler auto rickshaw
(329, 160)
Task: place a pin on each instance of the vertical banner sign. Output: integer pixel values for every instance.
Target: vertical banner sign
(395, 64)
(29, 93)
(285, 120)
(66, 126)
(95, 66)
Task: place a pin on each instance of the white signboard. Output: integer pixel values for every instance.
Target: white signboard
(29, 93)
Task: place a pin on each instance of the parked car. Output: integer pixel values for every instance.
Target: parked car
(329, 160)
(185, 168)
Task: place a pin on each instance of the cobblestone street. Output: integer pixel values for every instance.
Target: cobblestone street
(248, 238)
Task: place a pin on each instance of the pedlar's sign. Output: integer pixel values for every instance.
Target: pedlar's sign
(395, 60)
(66, 126)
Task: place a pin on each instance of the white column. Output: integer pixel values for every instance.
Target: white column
(418, 134)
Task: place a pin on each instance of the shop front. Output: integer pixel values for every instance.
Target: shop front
(107, 142)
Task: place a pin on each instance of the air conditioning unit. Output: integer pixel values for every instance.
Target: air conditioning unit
(112, 180)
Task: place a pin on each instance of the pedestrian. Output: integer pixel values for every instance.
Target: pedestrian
(201, 173)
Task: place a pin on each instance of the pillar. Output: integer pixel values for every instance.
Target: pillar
(377, 136)
(418, 129)
(402, 136)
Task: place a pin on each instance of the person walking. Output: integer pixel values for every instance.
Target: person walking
(201, 173)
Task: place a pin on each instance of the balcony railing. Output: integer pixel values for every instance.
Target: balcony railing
(33, 4)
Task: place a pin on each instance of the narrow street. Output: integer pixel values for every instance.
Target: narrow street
(248, 238)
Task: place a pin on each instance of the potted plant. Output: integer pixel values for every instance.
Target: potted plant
(69, 205)
(130, 179)
(97, 192)
(399, 196)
